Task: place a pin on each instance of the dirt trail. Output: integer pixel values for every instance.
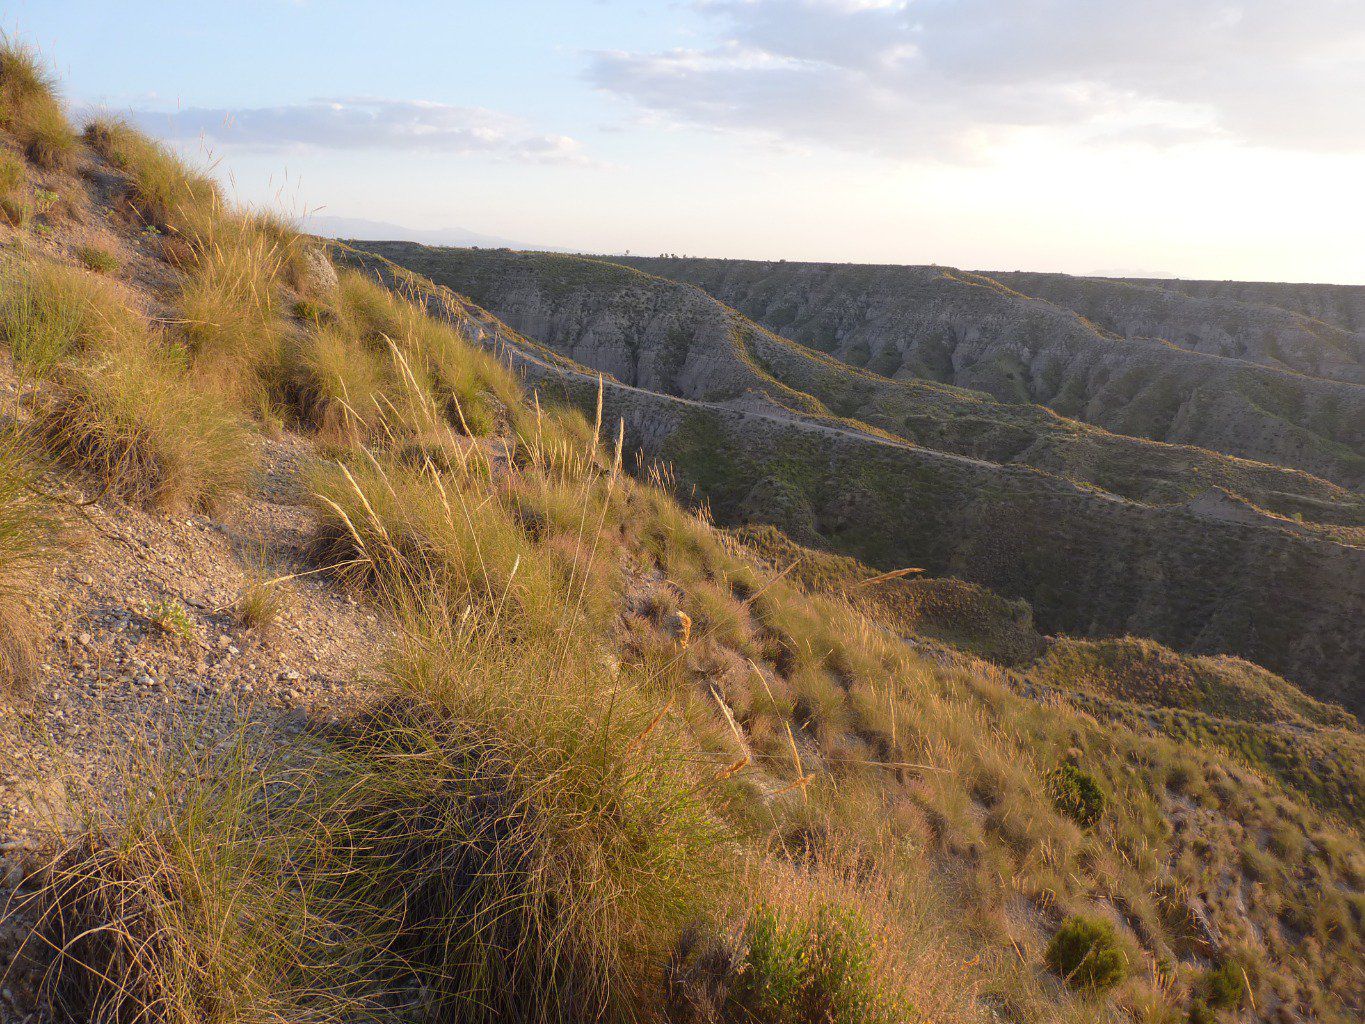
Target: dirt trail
(110, 673)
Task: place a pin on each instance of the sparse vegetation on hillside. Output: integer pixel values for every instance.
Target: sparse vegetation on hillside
(617, 765)
(30, 109)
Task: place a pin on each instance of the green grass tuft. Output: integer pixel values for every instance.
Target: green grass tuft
(100, 260)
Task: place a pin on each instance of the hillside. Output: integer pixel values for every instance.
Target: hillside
(974, 331)
(1266, 324)
(1338, 304)
(1103, 535)
(349, 674)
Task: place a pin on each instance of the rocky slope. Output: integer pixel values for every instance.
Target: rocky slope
(968, 329)
(1195, 575)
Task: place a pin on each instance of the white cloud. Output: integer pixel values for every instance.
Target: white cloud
(943, 77)
(361, 123)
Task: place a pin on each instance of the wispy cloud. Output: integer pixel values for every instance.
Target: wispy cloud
(944, 78)
(366, 123)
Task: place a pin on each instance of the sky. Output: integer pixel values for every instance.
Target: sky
(1193, 138)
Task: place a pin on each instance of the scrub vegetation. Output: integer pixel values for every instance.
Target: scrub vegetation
(617, 764)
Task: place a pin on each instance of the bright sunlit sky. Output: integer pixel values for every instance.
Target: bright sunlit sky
(1199, 138)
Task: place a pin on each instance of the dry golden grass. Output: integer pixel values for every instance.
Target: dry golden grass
(50, 312)
(30, 109)
(165, 193)
(137, 423)
(14, 201)
(260, 600)
(27, 540)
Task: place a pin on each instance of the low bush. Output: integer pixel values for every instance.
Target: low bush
(1225, 986)
(1076, 794)
(1085, 953)
(815, 972)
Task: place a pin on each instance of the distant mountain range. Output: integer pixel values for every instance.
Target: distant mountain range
(375, 230)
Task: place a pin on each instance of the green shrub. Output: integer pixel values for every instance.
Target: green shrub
(1200, 1013)
(1076, 794)
(1225, 986)
(172, 618)
(819, 971)
(310, 310)
(1086, 953)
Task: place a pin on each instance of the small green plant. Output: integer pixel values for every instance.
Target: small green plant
(1225, 986)
(172, 617)
(99, 260)
(1200, 1013)
(1085, 953)
(1076, 794)
(815, 972)
(310, 310)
